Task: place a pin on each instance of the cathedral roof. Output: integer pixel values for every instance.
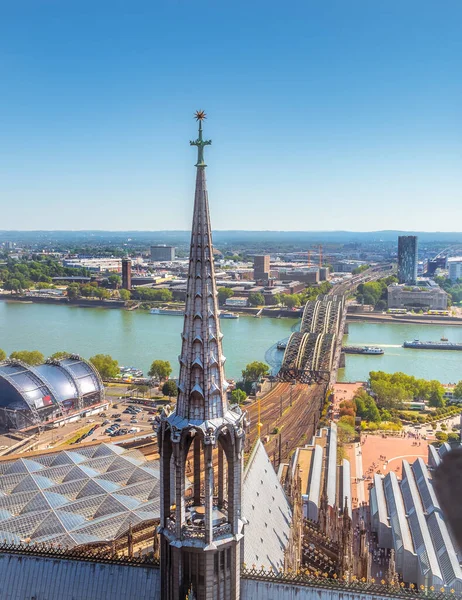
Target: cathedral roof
(267, 510)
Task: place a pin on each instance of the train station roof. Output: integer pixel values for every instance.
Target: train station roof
(77, 497)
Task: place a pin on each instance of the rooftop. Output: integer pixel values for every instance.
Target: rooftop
(78, 497)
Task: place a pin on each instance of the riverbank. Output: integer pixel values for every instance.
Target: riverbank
(275, 313)
(413, 319)
(63, 301)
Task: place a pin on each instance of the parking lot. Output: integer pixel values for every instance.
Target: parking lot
(116, 419)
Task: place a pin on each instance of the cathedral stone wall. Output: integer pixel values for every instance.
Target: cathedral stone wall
(252, 589)
(29, 577)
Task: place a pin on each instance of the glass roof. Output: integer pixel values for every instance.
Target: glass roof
(76, 497)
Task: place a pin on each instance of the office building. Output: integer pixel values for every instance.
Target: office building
(455, 268)
(162, 253)
(407, 259)
(429, 297)
(440, 262)
(126, 274)
(261, 267)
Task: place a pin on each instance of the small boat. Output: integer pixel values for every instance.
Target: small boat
(173, 312)
(281, 345)
(444, 339)
(228, 315)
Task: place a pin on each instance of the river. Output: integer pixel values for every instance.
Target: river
(137, 338)
(443, 365)
(134, 338)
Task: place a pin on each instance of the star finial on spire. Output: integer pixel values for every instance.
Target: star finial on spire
(200, 115)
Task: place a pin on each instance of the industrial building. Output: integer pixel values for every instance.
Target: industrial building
(162, 253)
(455, 268)
(96, 265)
(407, 517)
(426, 297)
(32, 396)
(407, 259)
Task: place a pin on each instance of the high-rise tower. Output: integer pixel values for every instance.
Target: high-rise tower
(407, 259)
(201, 442)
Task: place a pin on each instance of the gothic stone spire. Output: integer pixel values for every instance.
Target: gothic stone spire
(202, 384)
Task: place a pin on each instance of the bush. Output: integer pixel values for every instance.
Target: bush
(453, 437)
(346, 432)
(349, 420)
(441, 436)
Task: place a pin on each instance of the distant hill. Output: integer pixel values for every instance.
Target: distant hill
(225, 237)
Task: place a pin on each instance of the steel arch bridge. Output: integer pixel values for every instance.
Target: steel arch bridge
(323, 315)
(310, 352)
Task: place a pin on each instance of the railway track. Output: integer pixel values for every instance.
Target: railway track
(289, 415)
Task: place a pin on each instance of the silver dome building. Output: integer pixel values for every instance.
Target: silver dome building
(31, 396)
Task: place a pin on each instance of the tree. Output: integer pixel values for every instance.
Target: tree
(160, 369)
(59, 355)
(170, 389)
(238, 396)
(102, 293)
(124, 295)
(458, 391)
(73, 290)
(441, 436)
(381, 305)
(255, 370)
(14, 285)
(30, 357)
(256, 299)
(106, 366)
(150, 295)
(453, 437)
(2, 355)
(114, 281)
(223, 294)
(291, 300)
(436, 394)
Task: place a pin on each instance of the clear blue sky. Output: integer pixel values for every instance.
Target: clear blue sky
(323, 114)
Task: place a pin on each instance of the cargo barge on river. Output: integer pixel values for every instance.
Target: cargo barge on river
(418, 345)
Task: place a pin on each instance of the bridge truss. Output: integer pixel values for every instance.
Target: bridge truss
(310, 353)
